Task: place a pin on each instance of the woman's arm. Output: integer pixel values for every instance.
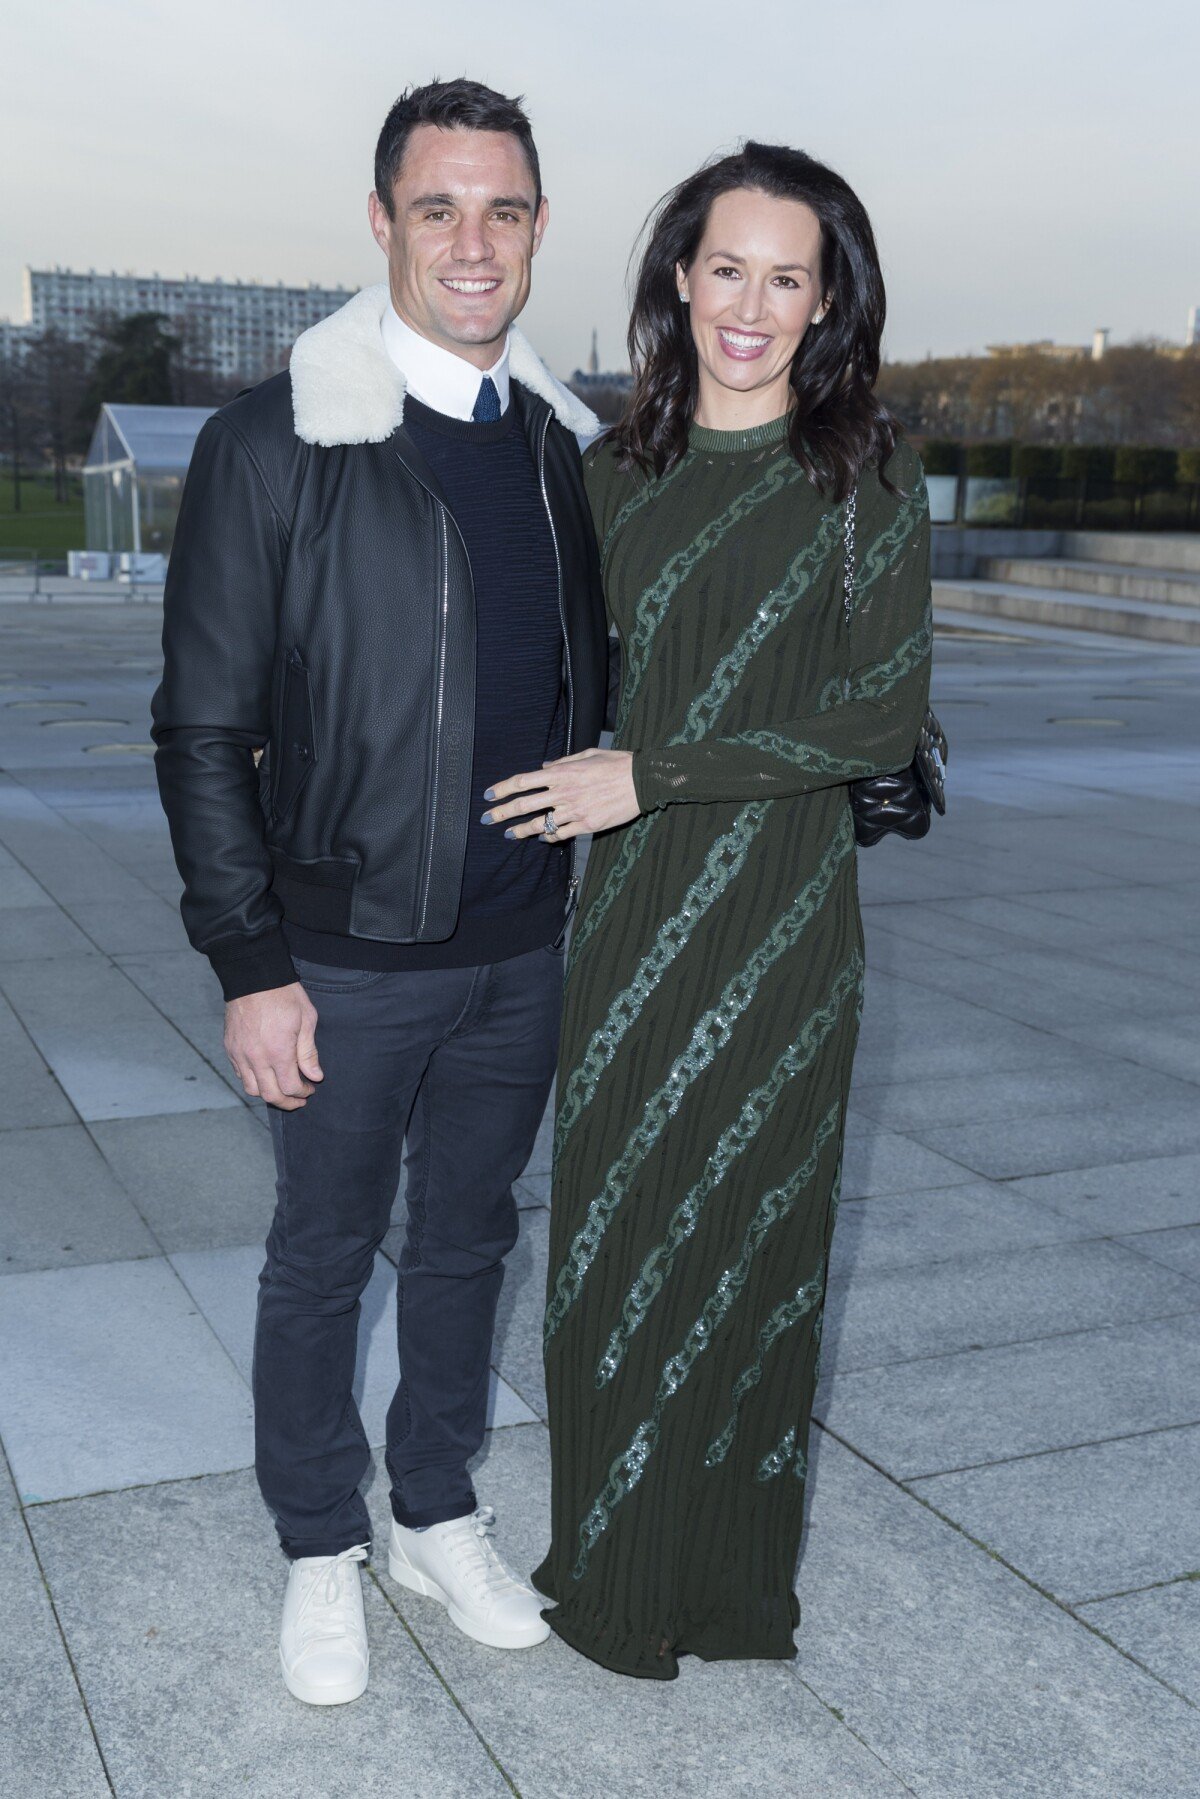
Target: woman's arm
(867, 725)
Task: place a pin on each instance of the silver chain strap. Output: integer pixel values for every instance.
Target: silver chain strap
(849, 573)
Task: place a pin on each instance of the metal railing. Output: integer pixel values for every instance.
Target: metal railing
(27, 574)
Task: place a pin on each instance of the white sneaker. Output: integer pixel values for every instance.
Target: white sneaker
(323, 1641)
(457, 1564)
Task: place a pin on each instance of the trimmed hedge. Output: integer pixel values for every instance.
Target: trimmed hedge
(1187, 468)
(941, 456)
(991, 461)
(1088, 462)
(1036, 461)
(1149, 467)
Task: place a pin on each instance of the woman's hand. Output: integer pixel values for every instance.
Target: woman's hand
(592, 791)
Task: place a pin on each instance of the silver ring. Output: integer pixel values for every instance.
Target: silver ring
(549, 828)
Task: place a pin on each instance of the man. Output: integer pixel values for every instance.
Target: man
(384, 573)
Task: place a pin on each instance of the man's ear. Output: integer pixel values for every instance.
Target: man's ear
(381, 225)
(541, 219)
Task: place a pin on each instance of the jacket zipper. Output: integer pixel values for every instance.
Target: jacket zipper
(573, 881)
(440, 706)
(437, 726)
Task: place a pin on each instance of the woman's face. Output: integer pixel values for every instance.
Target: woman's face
(753, 289)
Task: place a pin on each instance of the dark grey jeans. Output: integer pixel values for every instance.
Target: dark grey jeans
(452, 1066)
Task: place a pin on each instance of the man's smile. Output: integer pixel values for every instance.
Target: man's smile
(460, 284)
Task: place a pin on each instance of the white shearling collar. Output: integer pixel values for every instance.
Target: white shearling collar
(347, 390)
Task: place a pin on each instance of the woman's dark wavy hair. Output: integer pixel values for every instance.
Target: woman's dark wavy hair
(838, 426)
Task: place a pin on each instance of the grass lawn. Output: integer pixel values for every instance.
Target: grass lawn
(44, 524)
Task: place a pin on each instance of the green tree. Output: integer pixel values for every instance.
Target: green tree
(133, 364)
(18, 429)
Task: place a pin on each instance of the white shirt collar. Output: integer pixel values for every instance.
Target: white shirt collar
(438, 377)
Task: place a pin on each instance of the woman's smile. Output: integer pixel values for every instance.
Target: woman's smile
(743, 346)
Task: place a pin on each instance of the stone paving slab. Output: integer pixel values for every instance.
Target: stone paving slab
(1161, 1626)
(1152, 1194)
(1088, 1522)
(114, 1055)
(992, 1405)
(907, 1027)
(29, 1093)
(170, 1597)
(1004, 1150)
(46, 1744)
(129, 927)
(876, 1160)
(17, 888)
(61, 1204)
(914, 1230)
(30, 933)
(62, 861)
(1179, 1249)
(181, 985)
(565, 1728)
(113, 1378)
(898, 1314)
(1088, 1081)
(1169, 1044)
(964, 1680)
(201, 1180)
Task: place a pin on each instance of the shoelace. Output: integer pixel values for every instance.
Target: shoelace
(332, 1610)
(474, 1554)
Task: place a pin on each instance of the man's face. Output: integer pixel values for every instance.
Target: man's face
(465, 230)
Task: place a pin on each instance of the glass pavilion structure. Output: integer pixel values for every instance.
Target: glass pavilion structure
(133, 475)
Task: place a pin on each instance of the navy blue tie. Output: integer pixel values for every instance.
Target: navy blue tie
(487, 406)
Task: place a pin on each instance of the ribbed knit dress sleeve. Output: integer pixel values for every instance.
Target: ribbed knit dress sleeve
(866, 724)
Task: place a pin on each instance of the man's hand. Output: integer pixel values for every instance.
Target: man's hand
(590, 791)
(271, 1040)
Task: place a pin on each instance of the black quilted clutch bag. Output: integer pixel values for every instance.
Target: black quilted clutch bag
(903, 802)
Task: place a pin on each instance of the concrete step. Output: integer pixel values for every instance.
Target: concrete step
(1147, 619)
(1115, 580)
(1176, 550)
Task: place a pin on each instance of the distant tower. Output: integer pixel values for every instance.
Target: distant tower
(594, 358)
(1193, 330)
(1099, 343)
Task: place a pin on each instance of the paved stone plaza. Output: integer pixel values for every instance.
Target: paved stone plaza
(1001, 1580)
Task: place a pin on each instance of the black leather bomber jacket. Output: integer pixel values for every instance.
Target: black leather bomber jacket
(319, 606)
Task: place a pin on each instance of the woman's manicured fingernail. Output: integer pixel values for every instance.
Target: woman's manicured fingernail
(489, 793)
(486, 819)
(510, 832)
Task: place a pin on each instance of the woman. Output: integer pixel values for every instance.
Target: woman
(716, 969)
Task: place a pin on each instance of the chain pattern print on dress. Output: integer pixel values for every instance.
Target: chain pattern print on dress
(724, 861)
(873, 682)
(782, 1318)
(777, 1459)
(655, 1270)
(890, 542)
(654, 602)
(710, 1034)
(802, 755)
(706, 708)
(627, 1470)
(649, 490)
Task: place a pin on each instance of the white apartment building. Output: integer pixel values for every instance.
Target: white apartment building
(236, 327)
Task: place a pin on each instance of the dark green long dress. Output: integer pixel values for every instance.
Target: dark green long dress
(712, 1010)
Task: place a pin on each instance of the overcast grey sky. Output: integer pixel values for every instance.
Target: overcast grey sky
(1032, 169)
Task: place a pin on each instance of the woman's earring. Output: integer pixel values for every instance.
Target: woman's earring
(683, 299)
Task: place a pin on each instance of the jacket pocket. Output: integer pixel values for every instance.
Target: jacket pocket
(295, 749)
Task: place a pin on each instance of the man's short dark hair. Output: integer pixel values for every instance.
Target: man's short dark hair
(449, 104)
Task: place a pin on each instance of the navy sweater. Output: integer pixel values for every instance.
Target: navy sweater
(514, 892)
